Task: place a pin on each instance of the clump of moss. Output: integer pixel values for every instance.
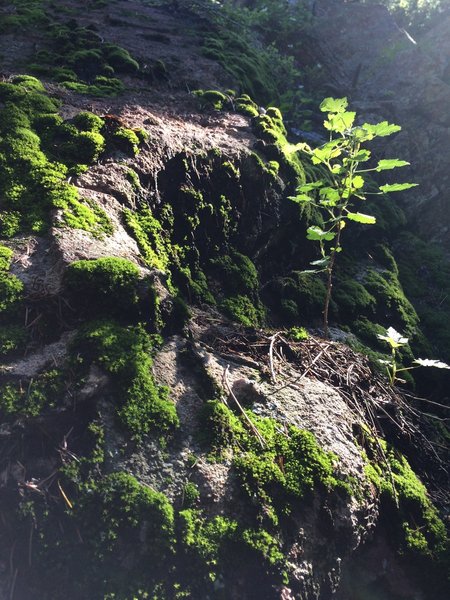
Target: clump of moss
(392, 306)
(239, 279)
(191, 494)
(353, 299)
(120, 59)
(27, 15)
(124, 353)
(126, 140)
(85, 147)
(148, 233)
(102, 87)
(204, 541)
(79, 59)
(108, 286)
(12, 337)
(424, 272)
(11, 287)
(36, 148)
(30, 398)
(299, 297)
(193, 283)
(420, 530)
(245, 105)
(87, 121)
(269, 127)
(116, 507)
(236, 271)
(88, 215)
(278, 472)
(213, 98)
(244, 310)
(133, 178)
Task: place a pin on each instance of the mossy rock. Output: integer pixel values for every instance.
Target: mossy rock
(244, 310)
(120, 59)
(124, 353)
(353, 299)
(87, 121)
(105, 286)
(237, 272)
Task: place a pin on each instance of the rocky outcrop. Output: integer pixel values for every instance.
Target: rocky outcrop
(159, 438)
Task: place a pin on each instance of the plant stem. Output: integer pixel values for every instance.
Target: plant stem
(330, 277)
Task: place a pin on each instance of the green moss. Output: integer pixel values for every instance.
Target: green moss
(27, 15)
(230, 168)
(11, 287)
(102, 87)
(87, 215)
(268, 548)
(85, 147)
(88, 122)
(244, 310)
(237, 272)
(298, 334)
(148, 233)
(124, 353)
(32, 183)
(392, 305)
(212, 98)
(414, 518)
(30, 398)
(278, 473)
(28, 82)
(107, 286)
(115, 508)
(12, 337)
(269, 127)
(191, 494)
(133, 178)
(203, 541)
(249, 67)
(424, 272)
(120, 59)
(298, 297)
(126, 140)
(353, 299)
(245, 105)
(193, 284)
(219, 426)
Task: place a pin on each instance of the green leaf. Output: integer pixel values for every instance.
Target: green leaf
(385, 165)
(357, 182)
(317, 234)
(330, 194)
(301, 198)
(361, 156)
(307, 187)
(361, 218)
(334, 105)
(397, 187)
(322, 262)
(325, 153)
(382, 129)
(340, 122)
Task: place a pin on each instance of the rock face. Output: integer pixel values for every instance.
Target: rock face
(389, 75)
(159, 439)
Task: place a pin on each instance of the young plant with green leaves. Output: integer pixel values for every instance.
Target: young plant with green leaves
(337, 194)
(397, 341)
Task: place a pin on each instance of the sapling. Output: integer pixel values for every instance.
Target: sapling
(396, 341)
(336, 194)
